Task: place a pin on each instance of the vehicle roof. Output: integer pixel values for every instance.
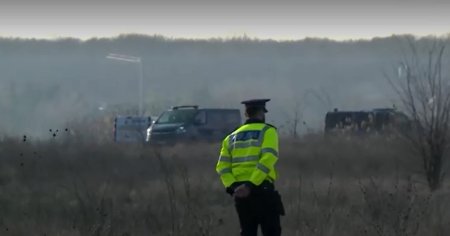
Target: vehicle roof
(132, 120)
(363, 111)
(347, 112)
(132, 117)
(208, 109)
(219, 109)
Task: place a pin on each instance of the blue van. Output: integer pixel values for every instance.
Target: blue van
(131, 129)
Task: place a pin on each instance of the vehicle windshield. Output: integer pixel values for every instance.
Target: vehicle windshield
(177, 116)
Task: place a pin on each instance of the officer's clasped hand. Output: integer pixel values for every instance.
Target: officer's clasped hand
(242, 191)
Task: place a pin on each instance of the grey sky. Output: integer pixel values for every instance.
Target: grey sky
(345, 19)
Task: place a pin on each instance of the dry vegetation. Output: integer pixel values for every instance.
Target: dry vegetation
(70, 186)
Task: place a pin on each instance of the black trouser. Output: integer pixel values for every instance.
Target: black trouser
(263, 207)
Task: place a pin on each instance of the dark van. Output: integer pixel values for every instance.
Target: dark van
(191, 123)
(374, 120)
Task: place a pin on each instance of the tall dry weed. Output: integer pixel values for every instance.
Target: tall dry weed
(329, 186)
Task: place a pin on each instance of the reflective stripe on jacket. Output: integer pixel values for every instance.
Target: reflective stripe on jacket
(249, 154)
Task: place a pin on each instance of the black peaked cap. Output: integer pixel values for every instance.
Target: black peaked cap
(256, 103)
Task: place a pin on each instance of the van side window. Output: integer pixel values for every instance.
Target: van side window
(215, 118)
(200, 118)
(231, 118)
(224, 119)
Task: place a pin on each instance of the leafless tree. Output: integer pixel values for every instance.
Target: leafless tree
(303, 101)
(298, 117)
(423, 87)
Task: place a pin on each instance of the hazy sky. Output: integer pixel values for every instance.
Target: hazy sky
(337, 19)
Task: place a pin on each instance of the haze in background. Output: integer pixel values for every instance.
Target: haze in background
(44, 84)
(213, 53)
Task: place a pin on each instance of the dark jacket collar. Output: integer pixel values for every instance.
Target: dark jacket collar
(252, 121)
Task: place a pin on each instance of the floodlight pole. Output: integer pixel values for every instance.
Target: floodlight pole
(141, 87)
(138, 61)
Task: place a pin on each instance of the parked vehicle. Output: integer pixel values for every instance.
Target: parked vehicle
(191, 123)
(131, 129)
(375, 120)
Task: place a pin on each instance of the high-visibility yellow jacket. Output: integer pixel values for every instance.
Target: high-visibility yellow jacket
(249, 154)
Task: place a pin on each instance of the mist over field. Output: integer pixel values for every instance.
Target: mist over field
(46, 83)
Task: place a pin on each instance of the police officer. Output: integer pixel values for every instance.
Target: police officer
(247, 169)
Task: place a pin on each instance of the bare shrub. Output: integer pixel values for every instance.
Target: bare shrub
(394, 210)
(424, 91)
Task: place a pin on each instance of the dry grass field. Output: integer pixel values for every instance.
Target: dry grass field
(330, 186)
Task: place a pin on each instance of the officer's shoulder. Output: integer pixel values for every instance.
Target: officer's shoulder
(232, 132)
(271, 126)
